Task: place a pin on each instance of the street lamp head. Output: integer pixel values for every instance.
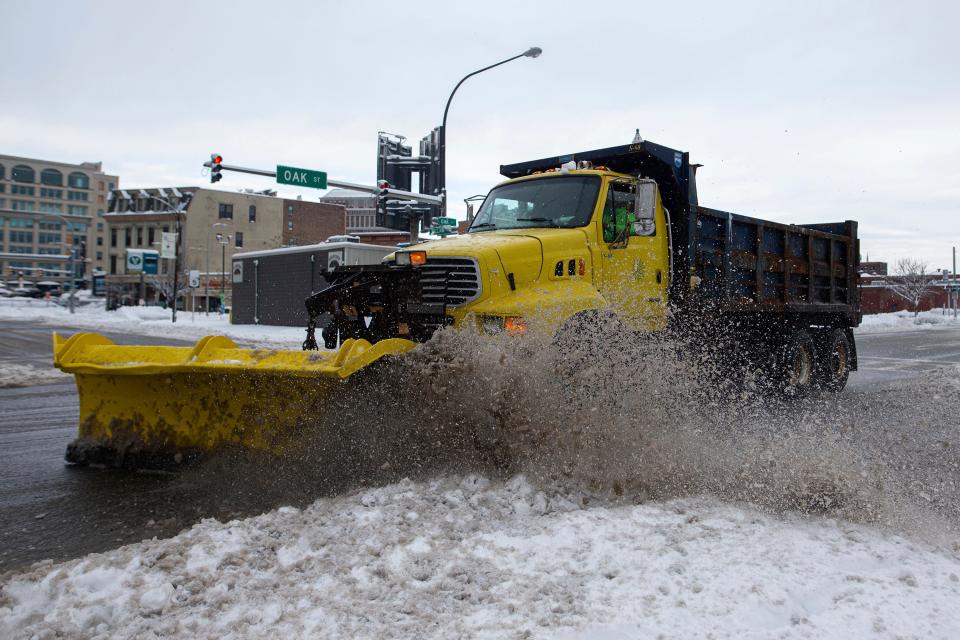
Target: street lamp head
(533, 52)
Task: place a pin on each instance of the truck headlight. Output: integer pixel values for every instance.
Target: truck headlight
(491, 324)
(415, 258)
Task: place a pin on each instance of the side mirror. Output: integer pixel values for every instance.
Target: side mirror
(645, 207)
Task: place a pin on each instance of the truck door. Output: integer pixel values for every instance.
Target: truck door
(634, 258)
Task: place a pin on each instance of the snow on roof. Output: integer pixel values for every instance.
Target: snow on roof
(345, 193)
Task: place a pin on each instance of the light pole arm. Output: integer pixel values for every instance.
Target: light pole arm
(532, 52)
(470, 75)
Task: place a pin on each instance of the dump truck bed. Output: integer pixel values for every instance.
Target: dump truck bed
(749, 264)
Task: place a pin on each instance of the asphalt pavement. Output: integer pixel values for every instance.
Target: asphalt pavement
(51, 510)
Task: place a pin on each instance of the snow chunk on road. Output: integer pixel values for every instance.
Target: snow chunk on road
(494, 559)
(25, 375)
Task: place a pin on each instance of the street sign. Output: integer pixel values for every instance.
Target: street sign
(440, 222)
(442, 230)
(194, 278)
(134, 260)
(168, 245)
(151, 262)
(301, 177)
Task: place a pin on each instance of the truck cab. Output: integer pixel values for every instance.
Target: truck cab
(554, 244)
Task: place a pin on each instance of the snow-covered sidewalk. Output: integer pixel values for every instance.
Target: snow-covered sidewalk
(151, 321)
(464, 557)
(906, 321)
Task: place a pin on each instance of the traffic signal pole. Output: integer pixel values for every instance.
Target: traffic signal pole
(398, 194)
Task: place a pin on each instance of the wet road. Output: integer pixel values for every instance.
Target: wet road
(50, 510)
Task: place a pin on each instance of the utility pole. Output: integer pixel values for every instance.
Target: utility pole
(953, 293)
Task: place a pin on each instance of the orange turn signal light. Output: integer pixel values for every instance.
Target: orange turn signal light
(418, 258)
(514, 325)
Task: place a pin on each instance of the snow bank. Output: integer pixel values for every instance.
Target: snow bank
(23, 375)
(464, 557)
(152, 321)
(905, 321)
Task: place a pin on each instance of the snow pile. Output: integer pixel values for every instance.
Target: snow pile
(24, 375)
(906, 321)
(152, 321)
(464, 557)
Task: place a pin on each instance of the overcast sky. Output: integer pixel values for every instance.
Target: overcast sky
(800, 112)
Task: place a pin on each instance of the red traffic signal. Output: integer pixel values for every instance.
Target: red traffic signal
(216, 166)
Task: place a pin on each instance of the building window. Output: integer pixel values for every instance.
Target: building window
(110, 186)
(51, 193)
(290, 225)
(99, 227)
(226, 211)
(113, 264)
(51, 207)
(23, 173)
(238, 238)
(99, 241)
(21, 190)
(253, 213)
(23, 223)
(78, 180)
(48, 238)
(21, 205)
(78, 210)
(51, 177)
(77, 195)
(100, 253)
(151, 237)
(3, 172)
(113, 238)
(128, 237)
(100, 213)
(3, 188)
(24, 237)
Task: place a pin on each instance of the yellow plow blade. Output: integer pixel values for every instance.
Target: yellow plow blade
(140, 403)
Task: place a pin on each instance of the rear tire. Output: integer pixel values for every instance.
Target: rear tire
(794, 365)
(834, 361)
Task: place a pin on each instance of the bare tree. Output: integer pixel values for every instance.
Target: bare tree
(163, 283)
(912, 283)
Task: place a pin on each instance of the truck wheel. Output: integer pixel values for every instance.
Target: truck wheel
(834, 361)
(795, 365)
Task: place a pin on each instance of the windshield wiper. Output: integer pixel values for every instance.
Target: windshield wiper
(552, 224)
(483, 224)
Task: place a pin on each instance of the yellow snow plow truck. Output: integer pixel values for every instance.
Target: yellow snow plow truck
(615, 231)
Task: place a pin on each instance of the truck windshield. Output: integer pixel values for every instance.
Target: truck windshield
(560, 202)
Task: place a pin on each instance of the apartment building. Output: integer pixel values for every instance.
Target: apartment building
(213, 226)
(51, 212)
(362, 217)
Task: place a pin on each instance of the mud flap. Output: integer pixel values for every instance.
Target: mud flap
(147, 403)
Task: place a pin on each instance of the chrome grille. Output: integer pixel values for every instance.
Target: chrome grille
(454, 281)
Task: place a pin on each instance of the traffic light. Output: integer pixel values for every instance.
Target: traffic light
(216, 166)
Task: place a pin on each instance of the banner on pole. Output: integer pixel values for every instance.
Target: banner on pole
(168, 245)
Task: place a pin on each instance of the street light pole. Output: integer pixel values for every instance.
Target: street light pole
(206, 284)
(532, 52)
(223, 239)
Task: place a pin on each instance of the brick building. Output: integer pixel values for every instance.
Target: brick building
(877, 296)
(214, 225)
